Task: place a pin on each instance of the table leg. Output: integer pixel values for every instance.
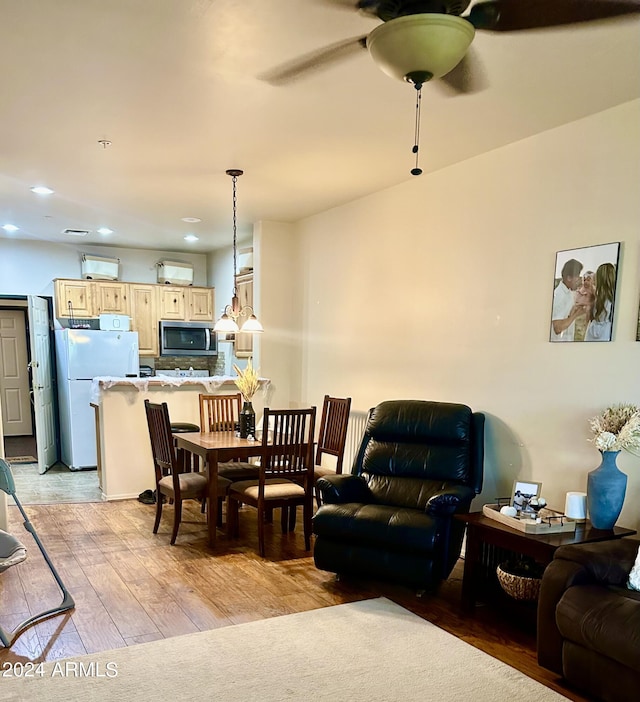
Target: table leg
(212, 501)
(469, 576)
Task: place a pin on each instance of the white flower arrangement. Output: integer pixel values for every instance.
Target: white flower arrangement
(617, 428)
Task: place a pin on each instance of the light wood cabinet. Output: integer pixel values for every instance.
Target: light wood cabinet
(172, 302)
(244, 342)
(144, 317)
(111, 298)
(145, 303)
(75, 293)
(200, 304)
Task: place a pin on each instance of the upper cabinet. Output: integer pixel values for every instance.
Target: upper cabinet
(112, 298)
(200, 304)
(145, 303)
(74, 298)
(144, 317)
(244, 342)
(172, 302)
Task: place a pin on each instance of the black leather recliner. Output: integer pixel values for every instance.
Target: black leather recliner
(419, 463)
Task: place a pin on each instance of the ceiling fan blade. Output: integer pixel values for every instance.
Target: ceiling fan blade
(514, 15)
(467, 77)
(320, 58)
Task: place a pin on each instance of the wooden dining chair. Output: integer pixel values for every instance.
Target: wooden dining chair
(285, 474)
(331, 437)
(172, 478)
(220, 412)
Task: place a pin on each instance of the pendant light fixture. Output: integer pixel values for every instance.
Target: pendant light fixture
(229, 322)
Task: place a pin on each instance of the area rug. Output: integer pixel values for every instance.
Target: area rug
(357, 652)
(22, 459)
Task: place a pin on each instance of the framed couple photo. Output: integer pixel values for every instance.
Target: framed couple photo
(584, 293)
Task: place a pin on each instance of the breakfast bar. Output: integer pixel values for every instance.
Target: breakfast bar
(125, 459)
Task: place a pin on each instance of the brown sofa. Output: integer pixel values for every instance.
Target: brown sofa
(589, 622)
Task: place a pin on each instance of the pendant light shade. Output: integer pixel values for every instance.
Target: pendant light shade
(427, 44)
(230, 322)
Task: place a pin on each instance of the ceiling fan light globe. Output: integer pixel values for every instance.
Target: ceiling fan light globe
(424, 43)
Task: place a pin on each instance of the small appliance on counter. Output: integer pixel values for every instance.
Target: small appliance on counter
(146, 371)
(115, 322)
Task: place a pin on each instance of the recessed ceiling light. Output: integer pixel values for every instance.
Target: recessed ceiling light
(10, 228)
(191, 237)
(191, 220)
(104, 230)
(41, 190)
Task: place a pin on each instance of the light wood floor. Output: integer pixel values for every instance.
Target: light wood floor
(130, 586)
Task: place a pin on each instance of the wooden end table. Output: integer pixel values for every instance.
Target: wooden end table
(483, 531)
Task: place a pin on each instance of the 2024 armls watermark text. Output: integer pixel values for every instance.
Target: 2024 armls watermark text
(59, 669)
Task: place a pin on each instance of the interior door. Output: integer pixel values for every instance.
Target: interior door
(14, 374)
(42, 382)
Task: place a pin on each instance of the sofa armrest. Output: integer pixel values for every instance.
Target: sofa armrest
(336, 489)
(605, 562)
(449, 501)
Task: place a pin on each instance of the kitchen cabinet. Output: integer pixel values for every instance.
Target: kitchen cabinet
(186, 304)
(200, 304)
(172, 302)
(77, 294)
(144, 317)
(244, 342)
(111, 298)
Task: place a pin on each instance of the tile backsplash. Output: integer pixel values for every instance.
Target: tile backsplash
(214, 364)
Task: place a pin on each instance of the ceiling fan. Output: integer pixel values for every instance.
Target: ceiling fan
(429, 38)
(420, 40)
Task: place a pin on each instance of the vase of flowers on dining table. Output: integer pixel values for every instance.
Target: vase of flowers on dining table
(247, 382)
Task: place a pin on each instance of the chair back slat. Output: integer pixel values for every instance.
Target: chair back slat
(287, 444)
(220, 412)
(333, 429)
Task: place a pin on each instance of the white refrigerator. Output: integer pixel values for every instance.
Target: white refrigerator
(84, 354)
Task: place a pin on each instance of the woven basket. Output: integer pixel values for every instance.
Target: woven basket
(519, 587)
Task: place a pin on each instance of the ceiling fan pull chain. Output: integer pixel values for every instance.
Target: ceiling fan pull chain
(416, 138)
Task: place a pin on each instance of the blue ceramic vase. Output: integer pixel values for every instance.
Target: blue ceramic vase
(606, 488)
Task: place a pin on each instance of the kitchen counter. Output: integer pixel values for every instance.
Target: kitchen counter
(125, 461)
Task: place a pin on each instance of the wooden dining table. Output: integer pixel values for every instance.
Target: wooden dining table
(216, 447)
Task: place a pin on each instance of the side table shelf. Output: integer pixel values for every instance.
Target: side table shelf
(488, 539)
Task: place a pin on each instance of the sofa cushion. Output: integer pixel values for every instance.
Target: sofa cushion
(401, 529)
(601, 619)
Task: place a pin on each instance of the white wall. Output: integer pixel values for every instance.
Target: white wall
(441, 289)
(29, 267)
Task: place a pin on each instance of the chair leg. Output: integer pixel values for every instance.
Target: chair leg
(177, 517)
(232, 517)
(268, 515)
(306, 515)
(292, 517)
(220, 503)
(318, 497)
(284, 518)
(158, 511)
(261, 548)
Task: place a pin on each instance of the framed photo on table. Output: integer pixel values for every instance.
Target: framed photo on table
(523, 492)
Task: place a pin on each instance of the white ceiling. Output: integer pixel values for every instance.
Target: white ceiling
(174, 85)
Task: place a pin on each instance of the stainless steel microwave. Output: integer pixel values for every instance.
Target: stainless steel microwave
(188, 339)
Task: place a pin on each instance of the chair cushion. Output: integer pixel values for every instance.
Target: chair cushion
(191, 485)
(238, 471)
(322, 471)
(12, 551)
(382, 526)
(274, 489)
(602, 620)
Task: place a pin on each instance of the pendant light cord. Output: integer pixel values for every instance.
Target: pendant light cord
(416, 171)
(235, 231)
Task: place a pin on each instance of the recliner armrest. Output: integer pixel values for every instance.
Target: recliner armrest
(449, 501)
(336, 489)
(604, 562)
